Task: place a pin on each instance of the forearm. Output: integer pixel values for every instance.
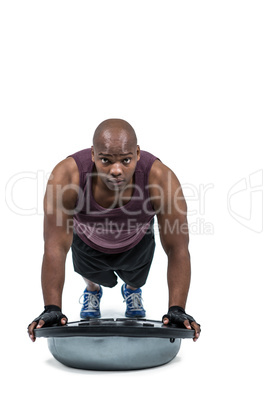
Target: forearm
(53, 275)
(178, 276)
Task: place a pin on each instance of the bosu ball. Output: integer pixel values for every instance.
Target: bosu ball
(114, 343)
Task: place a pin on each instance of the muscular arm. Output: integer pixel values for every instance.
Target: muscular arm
(171, 209)
(59, 203)
(170, 206)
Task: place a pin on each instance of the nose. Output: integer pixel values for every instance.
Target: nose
(116, 170)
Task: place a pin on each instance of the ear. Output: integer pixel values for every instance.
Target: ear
(92, 154)
(138, 153)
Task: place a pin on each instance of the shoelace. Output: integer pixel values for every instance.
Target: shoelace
(135, 301)
(91, 302)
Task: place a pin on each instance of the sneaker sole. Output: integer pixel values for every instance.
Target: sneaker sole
(135, 315)
(85, 317)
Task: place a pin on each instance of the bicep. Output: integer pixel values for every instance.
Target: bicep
(171, 210)
(59, 204)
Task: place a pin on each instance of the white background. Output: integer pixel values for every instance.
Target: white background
(191, 77)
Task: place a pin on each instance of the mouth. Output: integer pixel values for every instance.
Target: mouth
(116, 182)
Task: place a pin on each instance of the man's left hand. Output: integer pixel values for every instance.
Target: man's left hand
(176, 315)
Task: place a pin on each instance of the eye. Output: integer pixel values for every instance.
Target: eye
(104, 160)
(127, 161)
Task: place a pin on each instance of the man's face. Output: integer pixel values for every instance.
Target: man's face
(115, 157)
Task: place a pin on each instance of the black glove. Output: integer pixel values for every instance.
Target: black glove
(51, 315)
(177, 316)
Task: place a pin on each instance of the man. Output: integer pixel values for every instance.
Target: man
(101, 202)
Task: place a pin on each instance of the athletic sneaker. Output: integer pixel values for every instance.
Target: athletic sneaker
(91, 304)
(133, 301)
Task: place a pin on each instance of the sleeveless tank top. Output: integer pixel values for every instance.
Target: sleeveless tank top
(118, 229)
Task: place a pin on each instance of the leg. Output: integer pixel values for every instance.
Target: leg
(92, 265)
(134, 274)
(91, 286)
(130, 287)
(134, 264)
(87, 263)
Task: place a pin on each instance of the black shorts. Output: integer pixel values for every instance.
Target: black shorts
(131, 266)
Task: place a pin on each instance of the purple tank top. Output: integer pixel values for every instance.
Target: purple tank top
(113, 230)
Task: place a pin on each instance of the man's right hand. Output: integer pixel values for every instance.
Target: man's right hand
(51, 315)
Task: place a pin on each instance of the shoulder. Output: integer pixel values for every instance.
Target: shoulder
(166, 191)
(65, 172)
(160, 174)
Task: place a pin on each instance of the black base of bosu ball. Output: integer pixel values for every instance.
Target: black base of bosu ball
(114, 344)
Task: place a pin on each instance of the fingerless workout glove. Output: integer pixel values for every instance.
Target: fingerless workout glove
(51, 315)
(177, 316)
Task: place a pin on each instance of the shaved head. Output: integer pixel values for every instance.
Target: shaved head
(114, 130)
